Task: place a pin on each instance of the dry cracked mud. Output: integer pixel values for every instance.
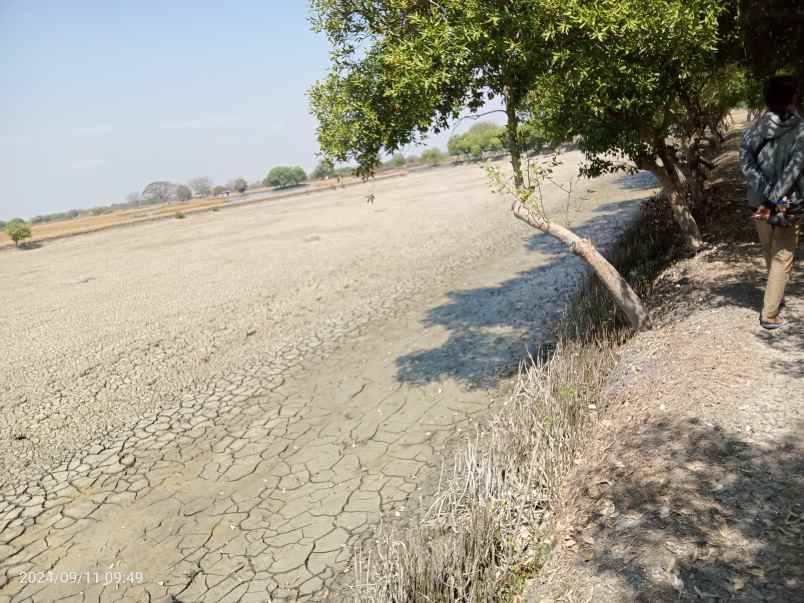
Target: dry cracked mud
(219, 408)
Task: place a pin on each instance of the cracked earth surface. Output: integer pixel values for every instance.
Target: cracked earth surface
(219, 408)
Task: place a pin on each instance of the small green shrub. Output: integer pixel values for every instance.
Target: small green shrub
(18, 230)
(179, 215)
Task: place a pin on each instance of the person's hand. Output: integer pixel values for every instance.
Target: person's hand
(763, 213)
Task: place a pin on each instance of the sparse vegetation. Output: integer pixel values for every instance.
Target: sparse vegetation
(179, 215)
(433, 157)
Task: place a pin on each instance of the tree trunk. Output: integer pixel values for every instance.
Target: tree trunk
(674, 191)
(624, 296)
(622, 293)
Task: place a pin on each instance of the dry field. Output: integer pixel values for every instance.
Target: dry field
(85, 224)
(220, 407)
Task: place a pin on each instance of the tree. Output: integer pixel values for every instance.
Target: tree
(766, 36)
(134, 198)
(18, 230)
(397, 161)
(633, 87)
(201, 185)
(239, 185)
(159, 192)
(183, 193)
(433, 157)
(483, 137)
(285, 176)
(218, 190)
(324, 169)
(400, 70)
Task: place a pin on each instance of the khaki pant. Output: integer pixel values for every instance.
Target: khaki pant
(778, 247)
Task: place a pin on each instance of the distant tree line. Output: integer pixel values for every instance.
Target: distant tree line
(279, 177)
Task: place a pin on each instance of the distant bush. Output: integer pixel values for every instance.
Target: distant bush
(159, 192)
(183, 193)
(284, 176)
(239, 184)
(201, 186)
(324, 169)
(218, 190)
(18, 230)
(397, 161)
(179, 215)
(483, 137)
(433, 157)
(56, 216)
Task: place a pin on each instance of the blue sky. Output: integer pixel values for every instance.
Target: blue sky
(100, 98)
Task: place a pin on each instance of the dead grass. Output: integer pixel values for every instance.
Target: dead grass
(488, 527)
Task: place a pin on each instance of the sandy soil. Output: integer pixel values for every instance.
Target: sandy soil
(225, 403)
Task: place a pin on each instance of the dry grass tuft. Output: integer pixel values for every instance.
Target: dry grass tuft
(493, 501)
(488, 525)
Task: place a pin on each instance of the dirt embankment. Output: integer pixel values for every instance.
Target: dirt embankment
(691, 489)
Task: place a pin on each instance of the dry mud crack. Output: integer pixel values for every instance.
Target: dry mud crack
(218, 408)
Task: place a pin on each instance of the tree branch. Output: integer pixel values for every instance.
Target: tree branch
(475, 117)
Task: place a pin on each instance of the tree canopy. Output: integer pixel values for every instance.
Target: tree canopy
(201, 185)
(401, 69)
(238, 185)
(483, 137)
(18, 230)
(285, 176)
(159, 191)
(183, 193)
(765, 36)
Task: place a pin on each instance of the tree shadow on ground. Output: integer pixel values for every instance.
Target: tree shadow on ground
(640, 181)
(491, 329)
(698, 513)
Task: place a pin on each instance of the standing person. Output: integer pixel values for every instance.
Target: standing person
(772, 158)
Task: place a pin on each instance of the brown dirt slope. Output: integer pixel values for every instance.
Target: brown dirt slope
(693, 487)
